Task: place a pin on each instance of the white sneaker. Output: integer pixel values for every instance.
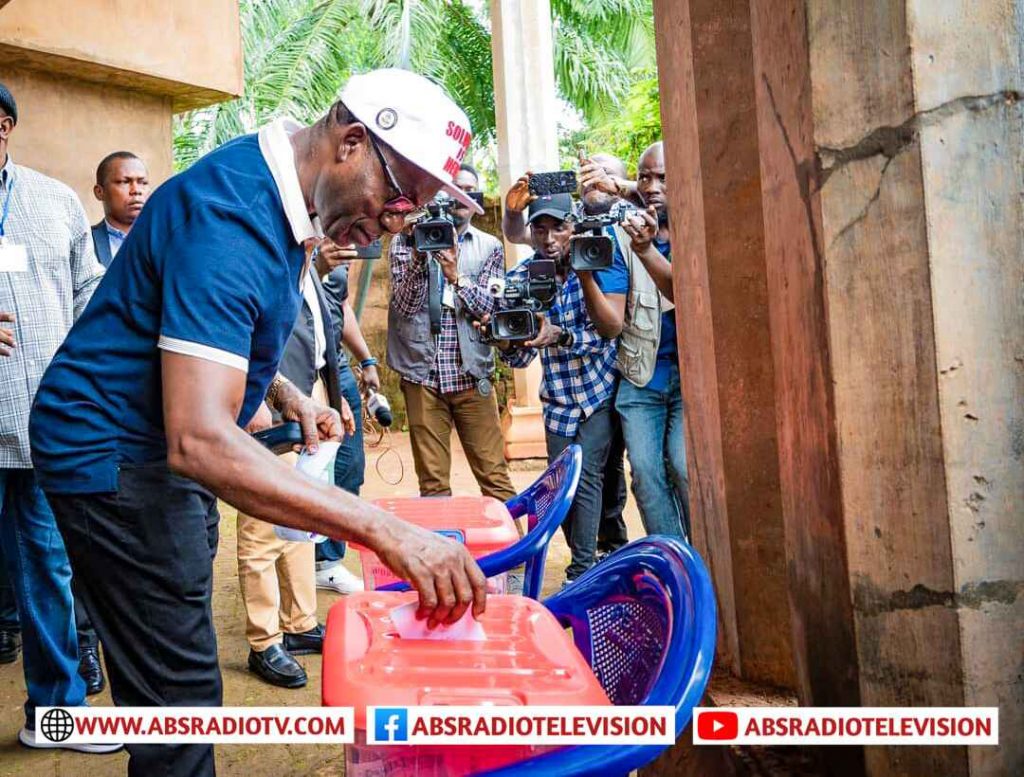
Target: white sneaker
(28, 738)
(338, 579)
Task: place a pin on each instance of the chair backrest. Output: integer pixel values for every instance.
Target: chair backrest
(645, 619)
(545, 504)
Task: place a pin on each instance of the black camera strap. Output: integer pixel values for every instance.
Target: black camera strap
(434, 290)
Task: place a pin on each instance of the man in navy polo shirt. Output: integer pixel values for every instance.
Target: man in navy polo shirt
(136, 428)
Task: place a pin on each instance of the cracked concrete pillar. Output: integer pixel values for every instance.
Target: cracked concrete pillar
(851, 171)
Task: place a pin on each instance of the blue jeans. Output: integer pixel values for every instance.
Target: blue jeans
(582, 525)
(40, 574)
(350, 464)
(652, 423)
(8, 604)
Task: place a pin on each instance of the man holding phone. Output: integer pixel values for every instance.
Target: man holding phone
(446, 377)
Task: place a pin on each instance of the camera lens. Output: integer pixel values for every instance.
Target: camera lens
(435, 235)
(592, 253)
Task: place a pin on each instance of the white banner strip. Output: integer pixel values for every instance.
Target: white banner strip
(846, 726)
(194, 725)
(460, 725)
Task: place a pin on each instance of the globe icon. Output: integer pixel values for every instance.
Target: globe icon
(57, 725)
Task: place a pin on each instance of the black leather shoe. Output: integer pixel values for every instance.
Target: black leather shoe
(277, 667)
(307, 642)
(91, 670)
(10, 646)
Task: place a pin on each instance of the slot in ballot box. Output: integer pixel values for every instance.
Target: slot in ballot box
(524, 658)
(481, 523)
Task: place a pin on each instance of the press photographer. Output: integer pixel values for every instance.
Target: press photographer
(633, 302)
(578, 368)
(446, 370)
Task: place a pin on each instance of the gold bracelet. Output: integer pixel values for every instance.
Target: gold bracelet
(275, 389)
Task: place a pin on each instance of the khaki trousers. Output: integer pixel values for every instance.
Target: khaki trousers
(278, 583)
(431, 418)
(278, 578)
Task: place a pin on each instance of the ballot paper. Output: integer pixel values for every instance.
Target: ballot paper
(467, 628)
(320, 466)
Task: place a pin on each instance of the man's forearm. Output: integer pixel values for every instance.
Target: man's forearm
(247, 476)
(606, 317)
(513, 225)
(352, 336)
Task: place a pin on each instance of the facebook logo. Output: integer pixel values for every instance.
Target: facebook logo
(391, 724)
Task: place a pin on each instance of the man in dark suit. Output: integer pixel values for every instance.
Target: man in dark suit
(122, 185)
(277, 576)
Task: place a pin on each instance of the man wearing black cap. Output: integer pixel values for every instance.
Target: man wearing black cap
(579, 375)
(47, 275)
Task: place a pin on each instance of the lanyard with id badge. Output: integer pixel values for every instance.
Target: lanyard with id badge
(13, 257)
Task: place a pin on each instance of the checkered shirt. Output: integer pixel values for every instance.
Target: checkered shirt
(578, 379)
(409, 296)
(47, 218)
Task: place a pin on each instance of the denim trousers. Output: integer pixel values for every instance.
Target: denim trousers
(8, 604)
(39, 573)
(652, 424)
(350, 464)
(595, 436)
(143, 563)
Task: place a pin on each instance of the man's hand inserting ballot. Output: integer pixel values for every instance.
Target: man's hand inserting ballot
(441, 570)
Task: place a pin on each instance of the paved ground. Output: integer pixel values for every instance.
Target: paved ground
(240, 687)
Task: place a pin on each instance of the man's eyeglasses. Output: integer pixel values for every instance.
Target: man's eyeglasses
(400, 203)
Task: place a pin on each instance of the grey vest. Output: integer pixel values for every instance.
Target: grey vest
(411, 346)
(641, 326)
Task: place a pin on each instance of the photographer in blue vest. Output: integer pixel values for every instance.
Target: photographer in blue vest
(633, 301)
(137, 425)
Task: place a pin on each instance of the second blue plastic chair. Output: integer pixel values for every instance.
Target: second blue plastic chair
(545, 504)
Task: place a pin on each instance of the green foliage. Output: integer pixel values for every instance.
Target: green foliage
(298, 54)
(634, 128)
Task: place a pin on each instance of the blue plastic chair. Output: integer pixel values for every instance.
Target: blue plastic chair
(545, 504)
(645, 619)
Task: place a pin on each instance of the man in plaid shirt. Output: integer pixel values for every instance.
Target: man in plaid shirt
(579, 376)
(47, 275)
(446, 377)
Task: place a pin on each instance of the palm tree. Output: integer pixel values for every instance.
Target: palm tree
(298, 53)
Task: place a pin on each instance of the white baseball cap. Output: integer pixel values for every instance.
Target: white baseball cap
(415, 117)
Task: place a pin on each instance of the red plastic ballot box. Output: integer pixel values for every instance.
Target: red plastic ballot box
(481, 523)
(526, 658)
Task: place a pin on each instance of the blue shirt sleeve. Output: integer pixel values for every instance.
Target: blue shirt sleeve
(212, 293)
(614, 280)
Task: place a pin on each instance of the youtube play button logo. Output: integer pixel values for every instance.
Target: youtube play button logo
(717, 725)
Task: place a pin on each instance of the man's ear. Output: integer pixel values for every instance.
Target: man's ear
(97, 192)
(6, 127)
(349, 140)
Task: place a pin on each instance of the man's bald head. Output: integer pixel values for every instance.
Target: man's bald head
(611, 164)
(650, 178)
(654, 154)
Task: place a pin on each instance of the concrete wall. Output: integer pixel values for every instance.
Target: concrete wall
(65, 127)
(190, 49)
(95, 76)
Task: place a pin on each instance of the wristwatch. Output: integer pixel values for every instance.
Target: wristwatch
(566, 339)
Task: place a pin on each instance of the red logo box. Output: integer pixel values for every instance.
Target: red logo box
(718, 725)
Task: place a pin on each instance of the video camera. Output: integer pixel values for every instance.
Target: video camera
(593, 251)
(519, 302)
(435, 230)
